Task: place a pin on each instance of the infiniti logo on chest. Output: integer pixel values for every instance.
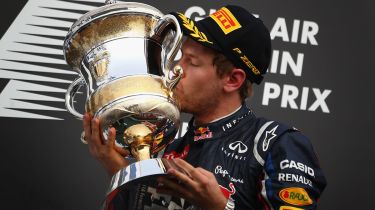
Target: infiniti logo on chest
(235, 150)
(238, 146)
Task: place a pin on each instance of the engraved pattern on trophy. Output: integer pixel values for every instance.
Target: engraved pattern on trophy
(124, 54)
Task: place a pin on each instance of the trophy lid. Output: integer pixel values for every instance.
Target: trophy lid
(76, 46)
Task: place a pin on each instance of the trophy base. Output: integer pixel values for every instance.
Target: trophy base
(133, 187)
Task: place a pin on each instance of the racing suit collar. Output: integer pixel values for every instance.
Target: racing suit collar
(218, 127)
(220, 118)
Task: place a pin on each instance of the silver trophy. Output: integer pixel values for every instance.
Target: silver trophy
(124, 54)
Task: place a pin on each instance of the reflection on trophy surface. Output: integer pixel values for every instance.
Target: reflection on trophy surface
(124, 54)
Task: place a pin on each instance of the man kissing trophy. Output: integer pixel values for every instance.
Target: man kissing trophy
(124, 54)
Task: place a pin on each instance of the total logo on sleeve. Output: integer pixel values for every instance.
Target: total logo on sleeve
(295, 196)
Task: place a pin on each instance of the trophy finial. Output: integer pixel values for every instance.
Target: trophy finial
(110, 1)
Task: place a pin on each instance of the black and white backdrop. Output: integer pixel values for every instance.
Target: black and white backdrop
(320, 81)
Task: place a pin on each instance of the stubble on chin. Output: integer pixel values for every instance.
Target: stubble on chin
(183, 101)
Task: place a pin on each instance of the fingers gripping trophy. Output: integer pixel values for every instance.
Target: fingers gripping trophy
(124, 54)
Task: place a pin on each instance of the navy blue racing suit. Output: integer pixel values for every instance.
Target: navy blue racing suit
(259, 164)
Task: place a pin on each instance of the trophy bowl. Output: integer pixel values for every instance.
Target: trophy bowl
(124, 55)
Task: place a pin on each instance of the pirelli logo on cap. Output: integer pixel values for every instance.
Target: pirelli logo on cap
(226, 20)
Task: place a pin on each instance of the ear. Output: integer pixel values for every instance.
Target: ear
(234, 79)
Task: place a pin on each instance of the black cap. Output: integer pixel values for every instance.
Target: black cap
(237, 34)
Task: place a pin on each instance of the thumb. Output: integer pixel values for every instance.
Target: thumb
(112, 143)
(123, 152)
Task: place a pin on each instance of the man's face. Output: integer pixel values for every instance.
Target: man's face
(200, 87)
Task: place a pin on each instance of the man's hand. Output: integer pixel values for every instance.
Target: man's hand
(108, 154)
(196, 185)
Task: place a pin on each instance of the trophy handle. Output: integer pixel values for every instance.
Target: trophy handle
(70, 94)
(169, 51)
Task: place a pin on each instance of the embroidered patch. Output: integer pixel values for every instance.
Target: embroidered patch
(189, 25)
(202, 133)
(295, 196)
